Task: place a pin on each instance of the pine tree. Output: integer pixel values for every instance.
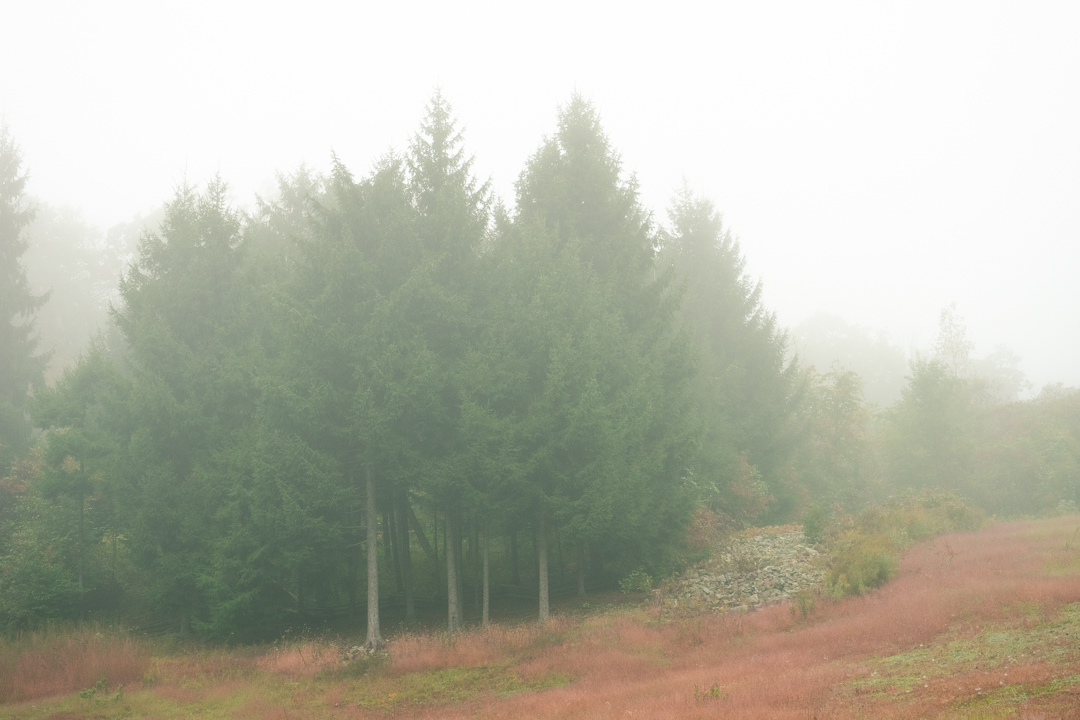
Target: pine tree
(452, 222)
(20, 367)
(746, 384)
(601, 402)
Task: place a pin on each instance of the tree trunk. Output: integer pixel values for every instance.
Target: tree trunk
(459, 563)
(485, 620)
(515, 569)
(417, 529)
(435, 539)
(390, 546)
(581, 555)
(405, 557)
(82, 592)
(400, 538)
(453, 607)
(354, 577)
(374, 638)
(542, 562)
(115, 580)
(474, 561)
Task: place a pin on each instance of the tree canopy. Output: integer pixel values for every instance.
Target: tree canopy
(382, 395)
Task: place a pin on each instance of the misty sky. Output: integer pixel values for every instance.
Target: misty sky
(877, 162)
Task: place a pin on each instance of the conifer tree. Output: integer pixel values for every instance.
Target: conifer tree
(452, 221)
(21, 367)
(602, 405)
(746, 385)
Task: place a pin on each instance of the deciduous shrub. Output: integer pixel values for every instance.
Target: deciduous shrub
(637, 581)
(867, 554)
(861, 561)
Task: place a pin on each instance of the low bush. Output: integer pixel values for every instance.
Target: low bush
(860, 561)
(637, 581)
(864, 550)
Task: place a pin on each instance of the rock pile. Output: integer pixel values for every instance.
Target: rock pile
(769, 565)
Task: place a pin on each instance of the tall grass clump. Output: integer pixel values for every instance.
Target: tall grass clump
(58, 660)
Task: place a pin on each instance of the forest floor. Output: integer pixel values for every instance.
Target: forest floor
(976, 625)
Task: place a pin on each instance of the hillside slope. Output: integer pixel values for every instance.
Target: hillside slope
(976, 625)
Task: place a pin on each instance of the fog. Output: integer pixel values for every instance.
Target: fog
(877, 165)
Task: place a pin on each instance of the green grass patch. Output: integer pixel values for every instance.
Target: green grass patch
(449, 686)
(971, 674)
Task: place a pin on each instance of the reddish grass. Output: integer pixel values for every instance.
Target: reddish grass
(305, 660)
(412, 653)
(764, 664)
(768, 665)
(50, 662)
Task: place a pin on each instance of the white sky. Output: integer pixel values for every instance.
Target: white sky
(877, 160)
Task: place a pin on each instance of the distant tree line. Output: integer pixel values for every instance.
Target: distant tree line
(392, 393)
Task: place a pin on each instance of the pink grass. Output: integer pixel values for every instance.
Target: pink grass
(41, 664)
(768, 665)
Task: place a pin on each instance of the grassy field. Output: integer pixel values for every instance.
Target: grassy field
(976, 625)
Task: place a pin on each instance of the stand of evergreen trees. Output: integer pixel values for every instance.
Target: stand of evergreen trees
(393, 393)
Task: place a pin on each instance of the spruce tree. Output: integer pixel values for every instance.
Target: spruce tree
(601, 411)
(746, 385)
(21, 367)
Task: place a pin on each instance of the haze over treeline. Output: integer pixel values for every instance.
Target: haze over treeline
(878, 162)
(388, 390)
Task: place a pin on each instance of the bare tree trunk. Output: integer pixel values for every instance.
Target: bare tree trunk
(542, 561)
(354, 572)
(435, 539)
(389, 541)
(374, 638)
(401, 538)
(581, 555)
(453, 606)
(82, 591)
(418, 530)
(115, 580)
(459, 563)
(355, 558)
(405, 558)
(515, 569)
(485, 621)
(474, 561)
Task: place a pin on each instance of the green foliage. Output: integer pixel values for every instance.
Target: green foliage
(922, 515)
(20, 367)
(864, 550)
(564, 370)
(954, 428)
(598, 394)
(825, 340)
(1029, 459)
(930, 437)
(713, 692)
(835, 459)
(37, 582)
(636, 581)
(860, 561)
(815, 522)
(745, 390)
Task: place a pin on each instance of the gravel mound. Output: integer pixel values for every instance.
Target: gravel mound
(755, 568)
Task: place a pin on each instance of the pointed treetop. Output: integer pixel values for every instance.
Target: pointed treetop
(574, 185)
(437, 159)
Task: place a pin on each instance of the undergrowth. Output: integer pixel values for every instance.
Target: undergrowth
(863, 550)
(963, 610)
(60, 659)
